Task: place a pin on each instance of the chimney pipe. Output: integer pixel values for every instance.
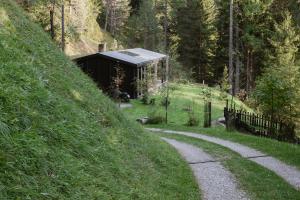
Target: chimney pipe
(102, 47)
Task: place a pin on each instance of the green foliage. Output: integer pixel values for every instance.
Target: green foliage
(196, 29)
(192, 119)
(155, 116)
(184, 98)
(61, 138)
(145, 98)
(225, 87)
(277, 91)
(206, 93)
(177, 71)
(142, 28)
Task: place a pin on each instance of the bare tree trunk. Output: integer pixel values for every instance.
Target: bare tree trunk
(237, 61)
(248, 72)
(113, 19)
(154, 37)
(145, 37)
(251, 71)
(230, 69)
(52, 24)
(106, 19)
(52, 7)
(63, 27)
(166, 26)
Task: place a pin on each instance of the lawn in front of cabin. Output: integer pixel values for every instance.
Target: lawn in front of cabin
(184, 97)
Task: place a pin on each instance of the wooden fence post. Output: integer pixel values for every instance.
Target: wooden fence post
(207, 114)
(63, 27)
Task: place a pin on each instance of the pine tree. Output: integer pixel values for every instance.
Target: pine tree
(143, 28)
(230, 78)
(197, 37)
(277, 91)
(257, 25)
(225, 83)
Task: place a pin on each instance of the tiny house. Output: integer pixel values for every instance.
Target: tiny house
(126, 70)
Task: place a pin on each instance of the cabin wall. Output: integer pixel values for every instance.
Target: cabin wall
(97, 69)
(103, 71)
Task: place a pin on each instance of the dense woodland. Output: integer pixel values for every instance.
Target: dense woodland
(249, 48)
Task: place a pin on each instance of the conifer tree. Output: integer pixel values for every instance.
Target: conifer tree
(196, 28)
(277, 92)
(143, 28)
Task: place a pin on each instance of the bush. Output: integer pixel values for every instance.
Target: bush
(192, 119)
(152, 101)
(183, 81)
(155, 117)
(145, 99)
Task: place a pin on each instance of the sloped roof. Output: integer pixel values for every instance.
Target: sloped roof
(137, 56)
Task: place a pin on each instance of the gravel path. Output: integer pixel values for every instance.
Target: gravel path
(215, 182)
(289, 173)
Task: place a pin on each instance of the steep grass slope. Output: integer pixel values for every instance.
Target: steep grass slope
(60, 138)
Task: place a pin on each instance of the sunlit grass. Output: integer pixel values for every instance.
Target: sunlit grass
(61, 138)
(183, 98)
(190, 95)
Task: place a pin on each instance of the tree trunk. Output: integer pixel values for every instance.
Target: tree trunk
(145, 37)
(166, 26)
(237, 61)
(251, 80)
(63, 27)
(106, 19)
(52, 7)
(52, 24)
(248, 71)
(230, 69)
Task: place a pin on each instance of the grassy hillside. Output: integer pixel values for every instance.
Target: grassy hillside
(60, 138)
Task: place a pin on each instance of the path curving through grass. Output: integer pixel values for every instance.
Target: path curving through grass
(215, 182)
(288, 173)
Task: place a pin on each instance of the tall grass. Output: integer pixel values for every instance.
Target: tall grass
(61, 138)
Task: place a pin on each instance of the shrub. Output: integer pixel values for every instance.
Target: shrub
(183, 81)
(152, 101)
(145, 99)
(155, 117)
(192, 119)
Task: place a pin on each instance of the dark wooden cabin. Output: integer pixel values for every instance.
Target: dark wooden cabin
(102, 67)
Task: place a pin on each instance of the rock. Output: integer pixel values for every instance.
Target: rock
(143, 120)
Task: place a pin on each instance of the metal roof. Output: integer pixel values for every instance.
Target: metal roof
(135, 56)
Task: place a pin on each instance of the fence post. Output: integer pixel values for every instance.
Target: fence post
(227, 103)
(207, 114)
(238, 120)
